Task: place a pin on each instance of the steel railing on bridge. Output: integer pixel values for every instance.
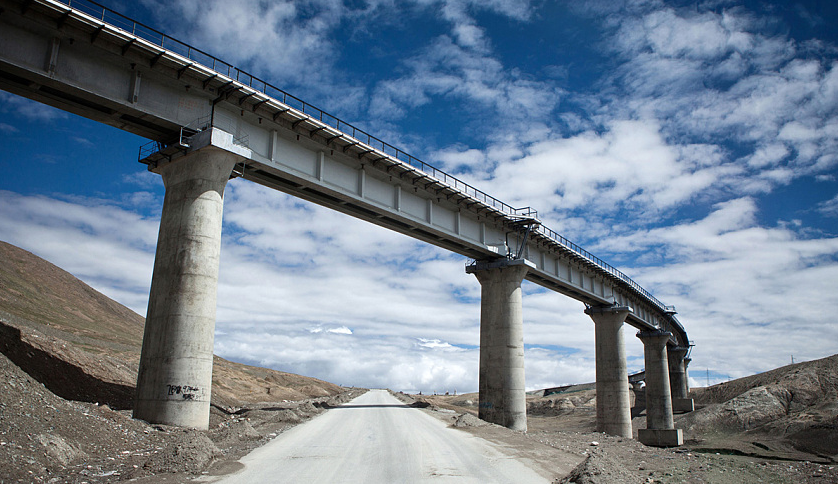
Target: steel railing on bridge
(156, 37)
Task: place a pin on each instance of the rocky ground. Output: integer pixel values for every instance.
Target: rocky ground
(568, 427)
(45, 438)
(68, 362)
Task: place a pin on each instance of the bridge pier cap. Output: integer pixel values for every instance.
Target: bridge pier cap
(613, 403)
(174, 382)
(502, 393)
(484, 265)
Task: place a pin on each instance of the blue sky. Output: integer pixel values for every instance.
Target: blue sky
(693, 145)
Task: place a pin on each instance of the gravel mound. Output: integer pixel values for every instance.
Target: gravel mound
(188, 451)
(600, 469)
(469, 420)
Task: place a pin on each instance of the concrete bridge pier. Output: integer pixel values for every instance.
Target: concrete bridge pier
(660, 428)
(175, 375)
(681, 401)
(687, 374)
(613, 406)
(502, 398)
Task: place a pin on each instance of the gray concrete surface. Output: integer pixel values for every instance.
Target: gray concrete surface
(681, 402)
(377, 439)
(660, 424)
(175, 376)
(613, 404)
(502, 392)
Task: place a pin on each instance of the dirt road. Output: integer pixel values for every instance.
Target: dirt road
(376, 438)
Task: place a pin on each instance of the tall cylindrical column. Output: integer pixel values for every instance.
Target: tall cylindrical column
(681, 401)
(175, 376)
(613, 406)
(660, 425)
(677, 375)
(503, 398)
(658, 396)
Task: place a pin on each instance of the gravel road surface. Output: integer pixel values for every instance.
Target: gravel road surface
(376, 438)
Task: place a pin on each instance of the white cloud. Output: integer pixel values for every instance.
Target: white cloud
(628, 166)
(449, 70)
(829, 207)
(720, 77)
(436, 344)
(737, 283)
(338, 330)
(30, 110)
(285, 38)
(109, 247)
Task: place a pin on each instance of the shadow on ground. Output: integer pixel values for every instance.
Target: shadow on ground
(64, 379)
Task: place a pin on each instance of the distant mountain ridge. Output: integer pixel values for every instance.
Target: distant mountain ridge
(82, 345)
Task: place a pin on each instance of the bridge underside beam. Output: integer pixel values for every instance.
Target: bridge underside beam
(75, 62)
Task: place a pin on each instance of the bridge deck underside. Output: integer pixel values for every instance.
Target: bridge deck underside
(77, 63)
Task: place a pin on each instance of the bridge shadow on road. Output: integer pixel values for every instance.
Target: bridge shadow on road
(326, 406)
(383, 405)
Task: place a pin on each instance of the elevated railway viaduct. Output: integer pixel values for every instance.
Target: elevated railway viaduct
(209, 121)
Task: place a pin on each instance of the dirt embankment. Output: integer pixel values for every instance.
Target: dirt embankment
(786, 413)
(789, 412)
(68, 365)
(85, 346)
(569, 428)
(45, 438)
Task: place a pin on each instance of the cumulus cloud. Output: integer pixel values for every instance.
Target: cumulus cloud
(447, 69)
(723, 77)
(338, 330)
(282, 38)
(435, 343)
(726, 271)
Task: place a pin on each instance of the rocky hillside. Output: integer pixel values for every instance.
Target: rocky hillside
(792, 410)
(787, 413)
(68, 364)
(84, 346)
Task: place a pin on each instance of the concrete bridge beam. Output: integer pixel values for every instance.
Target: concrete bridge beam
(681, 401)
(660, 428)
(175, 376)
(613, 407)
(502, 398)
